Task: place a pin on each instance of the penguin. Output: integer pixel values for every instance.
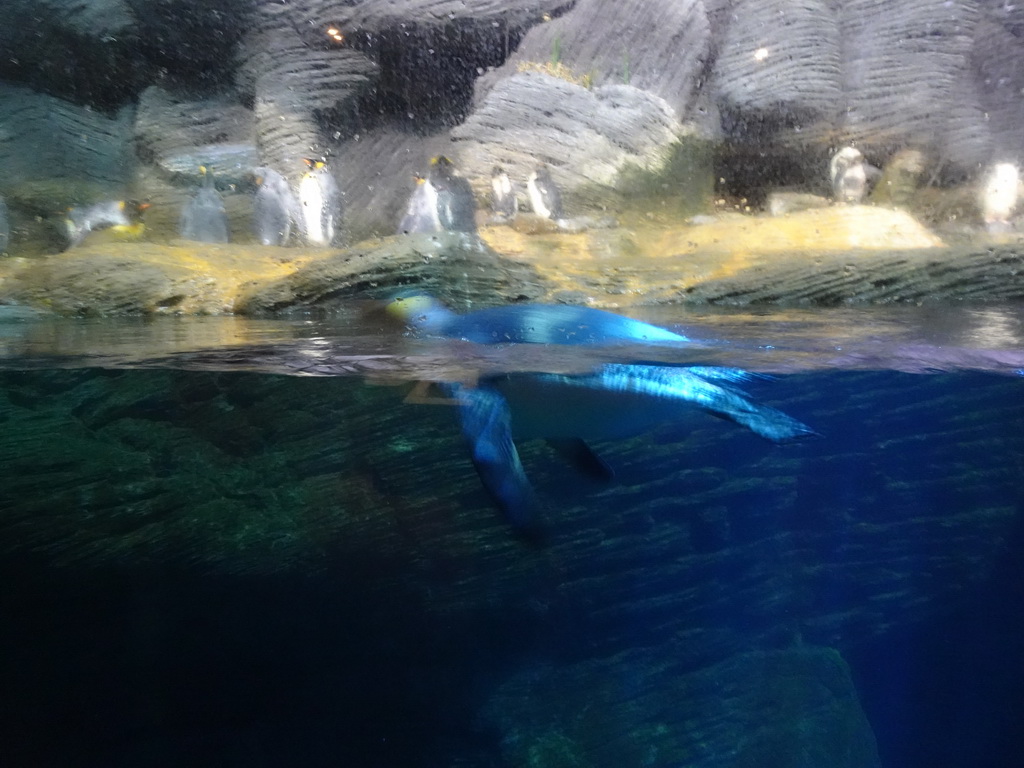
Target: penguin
(123, 216)
(545, 197)
(203, 218)
(503, 195)
(421, 210)
(527, 323)
(320, 199)
(616, 401)
(849, 172)
(999, 195)
(456, 206)
(5, 227)
(275, 209)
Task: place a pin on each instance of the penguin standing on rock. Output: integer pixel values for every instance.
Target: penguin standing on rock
(456, 206)
(545, 197)
(421, 211)
(275, 208)
(203, 218)
(320, 199)
(503, 194)
(849, 173)
(999, 195)
(124, 217)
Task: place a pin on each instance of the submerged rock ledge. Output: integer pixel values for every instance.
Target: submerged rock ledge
(839, 255)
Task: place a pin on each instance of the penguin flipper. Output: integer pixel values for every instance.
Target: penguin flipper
(696, 385)
(581, 457)
(487, 425)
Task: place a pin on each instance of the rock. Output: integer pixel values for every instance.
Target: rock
(781, 203)
(44, 138)
(83, 51)
(658, 46)
(452, 265)
(996, 52)
(291, 86)
(375, 171)
(884, 111)
(145, 278)
(589, 137)
(177, 135)
(900, 179)
(795, 707)
(377, 15)
(779, 68)
(173, 137)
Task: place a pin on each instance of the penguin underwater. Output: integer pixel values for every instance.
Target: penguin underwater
(616, 400)
(203, 218)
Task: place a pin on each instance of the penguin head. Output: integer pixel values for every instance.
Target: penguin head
(441, 167)
(844, 159)
(418, 310)
(134, 209)
(313, 163)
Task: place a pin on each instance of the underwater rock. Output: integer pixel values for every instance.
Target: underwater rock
(646, 707)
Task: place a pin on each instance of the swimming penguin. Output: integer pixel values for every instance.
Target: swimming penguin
(124, 216)
(850, 175)
(5, 227)
(527, 323)
(617, 400)
(998, 196)
(614, 402)
(320, 198)
(456, 206)
(275, 209)
(503, 195)
(421, 211)
(203, 218)
(545, 197)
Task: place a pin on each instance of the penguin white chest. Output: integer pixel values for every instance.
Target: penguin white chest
(538, 200)
(314, 206)
(1000, 192)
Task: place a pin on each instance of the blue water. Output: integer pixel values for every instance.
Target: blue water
(240, 543)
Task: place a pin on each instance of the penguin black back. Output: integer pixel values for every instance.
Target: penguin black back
(456, 206)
